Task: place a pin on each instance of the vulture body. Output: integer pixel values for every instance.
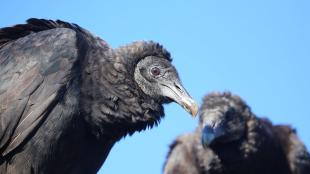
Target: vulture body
(230, 139)
(66, 97)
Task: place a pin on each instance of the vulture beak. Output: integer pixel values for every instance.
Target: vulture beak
(177, 93)
(210, 134)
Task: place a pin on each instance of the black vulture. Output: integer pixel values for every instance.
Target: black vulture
(66, 97)
(230, 139)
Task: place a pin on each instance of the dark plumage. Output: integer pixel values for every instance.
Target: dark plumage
(230, 139)
(66, 97)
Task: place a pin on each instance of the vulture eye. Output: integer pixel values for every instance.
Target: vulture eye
(155, 71)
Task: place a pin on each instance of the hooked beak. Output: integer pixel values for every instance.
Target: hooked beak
(210, 134)
(177, 93)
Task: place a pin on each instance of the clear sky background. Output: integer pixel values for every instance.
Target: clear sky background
(258, 49)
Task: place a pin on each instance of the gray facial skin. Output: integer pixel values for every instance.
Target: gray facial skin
(159, 79)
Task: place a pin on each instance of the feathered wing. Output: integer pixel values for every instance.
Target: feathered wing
(296, 152)
(181, 158)
(34, 73)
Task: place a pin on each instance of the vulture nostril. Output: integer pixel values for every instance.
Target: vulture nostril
(178, 87)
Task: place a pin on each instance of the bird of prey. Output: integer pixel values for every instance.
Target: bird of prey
(66, 96)
(230, 139)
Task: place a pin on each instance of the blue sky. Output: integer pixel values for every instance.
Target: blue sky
(259, 50)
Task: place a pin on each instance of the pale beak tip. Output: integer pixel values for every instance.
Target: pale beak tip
(194, 109)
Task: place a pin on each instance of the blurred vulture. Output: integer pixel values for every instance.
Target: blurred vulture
(230, 139)
(66, 97)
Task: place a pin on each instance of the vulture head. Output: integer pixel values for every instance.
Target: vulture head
(223, 118)
(154, 74)
(157, 78)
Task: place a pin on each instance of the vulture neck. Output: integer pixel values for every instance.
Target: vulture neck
(113, 104)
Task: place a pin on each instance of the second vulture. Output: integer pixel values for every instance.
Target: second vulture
(230, 139)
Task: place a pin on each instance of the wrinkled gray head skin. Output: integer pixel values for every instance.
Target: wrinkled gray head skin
(223, 118)
(154, 74)
(158, 78)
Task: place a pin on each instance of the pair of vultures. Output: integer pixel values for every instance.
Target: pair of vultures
(66, 97)
(230, 139)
